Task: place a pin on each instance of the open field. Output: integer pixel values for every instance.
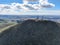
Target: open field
(4, 26)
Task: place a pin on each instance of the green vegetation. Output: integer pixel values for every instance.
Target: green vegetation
(5, 24)
(32, 32)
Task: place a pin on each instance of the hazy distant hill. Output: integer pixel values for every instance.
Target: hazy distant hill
(55, 18)
(29, 16)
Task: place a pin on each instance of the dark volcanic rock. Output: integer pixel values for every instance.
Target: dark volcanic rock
(32, 32)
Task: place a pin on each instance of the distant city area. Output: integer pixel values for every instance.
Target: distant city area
(17, 18)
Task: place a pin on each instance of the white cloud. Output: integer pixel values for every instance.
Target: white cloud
(29, 9)
(46, 4)
(42, 3)
(18, 6)
(31, 12)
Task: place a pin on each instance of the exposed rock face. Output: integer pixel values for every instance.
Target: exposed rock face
(32, 32)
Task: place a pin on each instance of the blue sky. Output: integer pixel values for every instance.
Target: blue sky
(56, 2)
(12, 7)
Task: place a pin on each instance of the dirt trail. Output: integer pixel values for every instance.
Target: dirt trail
(32, 32)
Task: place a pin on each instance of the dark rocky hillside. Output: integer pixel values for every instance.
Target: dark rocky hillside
(31, 32)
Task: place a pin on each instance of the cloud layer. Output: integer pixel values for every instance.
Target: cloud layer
(17, 8)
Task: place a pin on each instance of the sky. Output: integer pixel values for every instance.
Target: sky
(56, 2)
(7, 7)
